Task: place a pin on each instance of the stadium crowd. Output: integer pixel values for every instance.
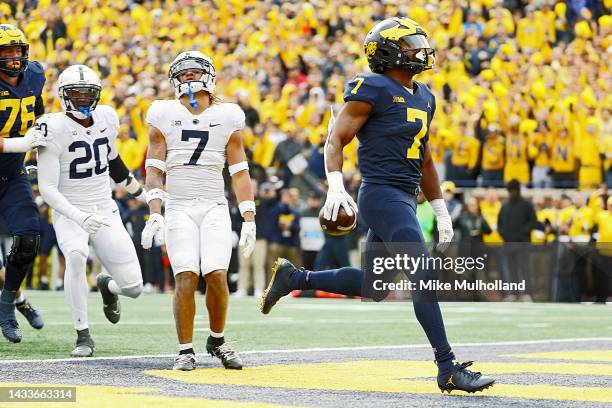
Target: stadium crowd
(523, 91)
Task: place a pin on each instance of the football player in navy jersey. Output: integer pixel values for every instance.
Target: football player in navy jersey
(390, 114)
(21, 84)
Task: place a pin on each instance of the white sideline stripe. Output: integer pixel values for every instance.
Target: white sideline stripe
(319, 349)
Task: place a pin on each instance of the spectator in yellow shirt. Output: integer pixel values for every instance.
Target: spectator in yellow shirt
(603, 261)
(539, 152)
(563, 160)
(130, 151)
(493, 158)
(588, 155)
(489, 208)
(517, 166)
(465, 157)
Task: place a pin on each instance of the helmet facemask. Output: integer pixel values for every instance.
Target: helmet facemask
(80, 100)
(5, 62)
(205, 83)
(418, 55)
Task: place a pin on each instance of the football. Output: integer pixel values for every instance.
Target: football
(343, 225)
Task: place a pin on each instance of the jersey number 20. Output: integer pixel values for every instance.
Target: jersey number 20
(81, 144)
(414, 151)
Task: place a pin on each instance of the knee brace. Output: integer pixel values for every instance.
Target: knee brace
(132, 291)
(24, 249)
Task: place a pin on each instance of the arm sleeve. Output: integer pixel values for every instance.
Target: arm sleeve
(48, 180)
(117, 170)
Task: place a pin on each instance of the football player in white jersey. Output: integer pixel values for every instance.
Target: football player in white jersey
(190, 139)
(73, 171)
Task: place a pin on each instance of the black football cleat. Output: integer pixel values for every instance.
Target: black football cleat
(278, 286)
(230, 359)
(462, 379)
(111, 305)
(10, 330)
(34, 317)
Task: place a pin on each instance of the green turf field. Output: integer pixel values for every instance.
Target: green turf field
(147, 325)
(316, 352)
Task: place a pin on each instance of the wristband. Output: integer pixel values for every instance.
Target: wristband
(154, 194)
(158, 164)
(246, 206)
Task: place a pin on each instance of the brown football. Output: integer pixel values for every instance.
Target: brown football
(343, 225)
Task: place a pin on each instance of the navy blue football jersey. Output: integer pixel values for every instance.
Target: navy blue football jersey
(392, 141)
(19, 107)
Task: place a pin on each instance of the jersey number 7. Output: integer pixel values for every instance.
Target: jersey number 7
(414, 151)
(186, 135)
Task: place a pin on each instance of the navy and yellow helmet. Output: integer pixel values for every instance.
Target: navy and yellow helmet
(12, 36)
(398, 43)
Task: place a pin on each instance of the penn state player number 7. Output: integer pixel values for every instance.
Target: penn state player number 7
(186, 135)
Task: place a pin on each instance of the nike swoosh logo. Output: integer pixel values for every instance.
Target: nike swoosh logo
(103, 130)
(115, 211)
(216, 124)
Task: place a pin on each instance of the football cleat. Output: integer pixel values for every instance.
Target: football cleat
(34, 317)
(462, 379)
(111, 305)
(10, 330)
(85, 346)
(185, 362)
(230, 359)
(278, 286)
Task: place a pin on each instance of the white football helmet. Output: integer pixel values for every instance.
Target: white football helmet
(79, 83)
(192, 60)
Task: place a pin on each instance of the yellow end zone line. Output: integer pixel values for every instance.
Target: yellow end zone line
(326, 349)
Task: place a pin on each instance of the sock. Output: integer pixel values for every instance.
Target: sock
(7, 305)
(20, 300)
(216, 339)
(343, 281)
(44, 279)
(444, 359)
(76, 289)
(14, 276)
(114, 288)
(59, 282)
(186, 348)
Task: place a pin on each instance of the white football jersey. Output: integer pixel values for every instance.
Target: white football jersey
(195, 146)
(84, 154)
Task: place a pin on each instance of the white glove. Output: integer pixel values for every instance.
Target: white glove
(91, 222)
(445, 224)
(33, 138)
(337, 197)
(154, 229)
(247, 238)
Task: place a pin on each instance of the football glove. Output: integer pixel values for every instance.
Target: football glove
(337, 197)
(445, 224)
(91, 222)
(33, 138)
(247, 238)
(153, 230)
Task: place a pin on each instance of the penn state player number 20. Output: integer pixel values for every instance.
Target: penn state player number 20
(81, 144)
(186, 135)
(414, 151)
